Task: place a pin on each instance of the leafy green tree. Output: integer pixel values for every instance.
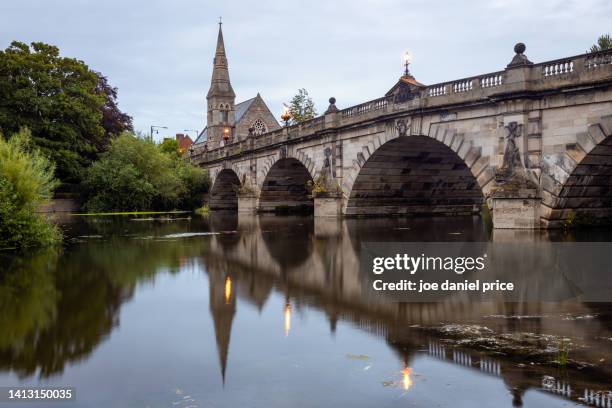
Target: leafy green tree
(195, 182)
(170, 146)
(604, 42)
(135, 174)
(70, 109)
(302, 107)
(26, 182)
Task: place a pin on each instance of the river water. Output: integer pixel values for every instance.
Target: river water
(268, 311)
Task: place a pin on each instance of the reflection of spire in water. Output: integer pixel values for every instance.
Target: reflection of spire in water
(223, 309)
(228, 290)
(406, 378)
(287, 318)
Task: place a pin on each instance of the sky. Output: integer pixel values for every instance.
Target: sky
(159, 53)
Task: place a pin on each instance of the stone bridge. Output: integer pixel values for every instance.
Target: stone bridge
(532, 143)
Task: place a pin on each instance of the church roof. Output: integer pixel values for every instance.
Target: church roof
(242, 108)
(202, 137)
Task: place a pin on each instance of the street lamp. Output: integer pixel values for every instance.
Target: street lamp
(286, 116)
(407, 60)
(153, 129)
(226, 133)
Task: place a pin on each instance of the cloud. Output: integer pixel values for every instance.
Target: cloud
(159, 53)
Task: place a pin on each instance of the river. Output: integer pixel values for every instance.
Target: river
(268, 311)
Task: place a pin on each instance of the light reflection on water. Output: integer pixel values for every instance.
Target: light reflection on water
(194, 316)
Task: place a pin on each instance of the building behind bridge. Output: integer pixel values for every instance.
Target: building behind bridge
(226, 121)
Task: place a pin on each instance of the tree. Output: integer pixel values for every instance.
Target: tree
(170, 146)
(135, 174)
(70, 109)
(302, 107)
(114, 121)
(604, 42)
(26, 182)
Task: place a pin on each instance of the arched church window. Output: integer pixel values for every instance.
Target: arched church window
(259, 127)
(224, 116)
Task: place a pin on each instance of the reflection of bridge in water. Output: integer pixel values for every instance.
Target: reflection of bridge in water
(317, 264)
(493, 366)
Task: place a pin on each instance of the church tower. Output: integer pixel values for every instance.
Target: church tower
(226, 121)
(221, 116)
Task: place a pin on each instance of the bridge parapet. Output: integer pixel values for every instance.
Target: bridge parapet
(375, 105)
(532, 141)
(513, 82)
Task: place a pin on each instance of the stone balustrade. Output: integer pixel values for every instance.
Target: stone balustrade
(550, 75)
(558, 68)
(491, 80)
(437, 90)
(376, 104)
(463, 86)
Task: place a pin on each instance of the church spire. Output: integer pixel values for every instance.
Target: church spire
(220, 85)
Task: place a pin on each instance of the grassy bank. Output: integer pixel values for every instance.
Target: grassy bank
(102, 214)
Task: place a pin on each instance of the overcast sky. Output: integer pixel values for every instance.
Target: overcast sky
(159, 53)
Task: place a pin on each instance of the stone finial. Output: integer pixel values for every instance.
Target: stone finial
(520, 59)
(332, 106)
(520, 48)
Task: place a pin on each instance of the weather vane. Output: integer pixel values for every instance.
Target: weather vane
(407, 61)
(220, 22)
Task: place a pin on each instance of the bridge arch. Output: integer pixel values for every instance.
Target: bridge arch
(224, 191)
(417, 174)
(577, 184)
(284, 185)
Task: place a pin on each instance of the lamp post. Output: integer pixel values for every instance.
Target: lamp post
(286, 116)
(153, 129)
(407, 60)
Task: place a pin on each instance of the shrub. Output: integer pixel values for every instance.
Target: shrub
(26, 182)
(135, 174)
(195, 183)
